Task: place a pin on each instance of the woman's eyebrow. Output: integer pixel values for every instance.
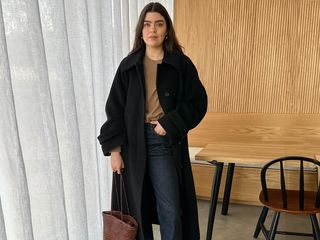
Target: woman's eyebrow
(154, 21)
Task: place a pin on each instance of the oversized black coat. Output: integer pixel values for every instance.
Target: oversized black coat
(184, 102)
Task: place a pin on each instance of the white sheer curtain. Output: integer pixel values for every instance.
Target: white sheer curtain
(57, 61)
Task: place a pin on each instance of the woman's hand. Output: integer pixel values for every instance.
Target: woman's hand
(158, 128)
(116, 162)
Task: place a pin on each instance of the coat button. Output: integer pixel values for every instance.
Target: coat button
(166, 94)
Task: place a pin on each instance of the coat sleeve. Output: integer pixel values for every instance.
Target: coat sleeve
(191, 109)
(113, 131)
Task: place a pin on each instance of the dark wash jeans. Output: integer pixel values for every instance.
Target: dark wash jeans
(164, 180)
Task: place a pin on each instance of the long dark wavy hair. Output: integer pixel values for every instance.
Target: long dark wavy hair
(170, 44)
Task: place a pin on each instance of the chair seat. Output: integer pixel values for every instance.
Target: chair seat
(275, 201)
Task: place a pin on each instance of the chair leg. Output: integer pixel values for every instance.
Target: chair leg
(227, 189)
(214, 198)
(314, 235)
(274, 226)
(315, 227)
(261, 220)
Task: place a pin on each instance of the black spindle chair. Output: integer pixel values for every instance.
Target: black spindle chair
(283, 200)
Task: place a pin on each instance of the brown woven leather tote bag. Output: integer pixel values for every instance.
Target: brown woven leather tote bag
(116, 225)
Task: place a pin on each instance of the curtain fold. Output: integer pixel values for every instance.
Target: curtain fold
(35, 119)
(14, 197)
(57, 62)
(58, 56)
(3, 234)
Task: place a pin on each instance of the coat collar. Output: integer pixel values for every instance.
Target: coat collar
(136, 58)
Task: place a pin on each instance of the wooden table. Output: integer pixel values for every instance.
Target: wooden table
(254, 154)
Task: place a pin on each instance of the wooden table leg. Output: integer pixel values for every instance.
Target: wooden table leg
(214, 197)
(227, 189)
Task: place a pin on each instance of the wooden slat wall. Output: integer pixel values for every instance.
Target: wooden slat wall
(254, 55)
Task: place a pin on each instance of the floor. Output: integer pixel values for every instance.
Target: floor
(241, 221)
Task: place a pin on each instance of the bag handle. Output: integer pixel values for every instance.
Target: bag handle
(122, 189)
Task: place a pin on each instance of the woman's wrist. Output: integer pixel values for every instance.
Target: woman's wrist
(115, 153)
(117, 149)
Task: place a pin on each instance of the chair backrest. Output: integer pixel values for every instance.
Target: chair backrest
(283, 161)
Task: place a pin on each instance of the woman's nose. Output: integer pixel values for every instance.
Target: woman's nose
(153, 28)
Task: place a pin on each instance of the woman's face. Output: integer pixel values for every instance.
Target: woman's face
(154, 30)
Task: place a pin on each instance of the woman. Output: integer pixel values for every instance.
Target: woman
(155, 99)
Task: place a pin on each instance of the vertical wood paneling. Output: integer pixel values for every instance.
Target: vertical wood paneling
(254, 55)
